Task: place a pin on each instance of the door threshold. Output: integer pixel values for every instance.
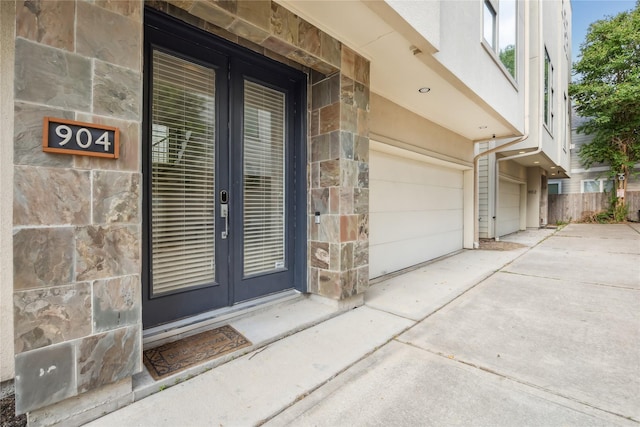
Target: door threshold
(183, 328)
(262, 321)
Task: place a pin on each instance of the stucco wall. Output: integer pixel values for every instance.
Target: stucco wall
(392, 124)
(513, 170)
(7, 30)
(450, 26)
(462, 21)
(534, 196)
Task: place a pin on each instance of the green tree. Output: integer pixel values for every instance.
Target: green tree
(508, 58)
(606, 91)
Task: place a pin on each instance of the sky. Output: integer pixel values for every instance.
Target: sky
(587, 11)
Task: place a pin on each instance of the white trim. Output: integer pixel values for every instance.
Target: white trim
(598, 169)
(7, 68)
(595, 169)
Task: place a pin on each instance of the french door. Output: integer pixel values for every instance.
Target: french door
(222, 137)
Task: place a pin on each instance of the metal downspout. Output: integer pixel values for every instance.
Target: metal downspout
(527, 94)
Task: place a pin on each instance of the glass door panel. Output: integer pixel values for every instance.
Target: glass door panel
(182, 174)
(264, 189)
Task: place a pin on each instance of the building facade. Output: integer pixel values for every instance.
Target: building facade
(514, 180)
(208, 154)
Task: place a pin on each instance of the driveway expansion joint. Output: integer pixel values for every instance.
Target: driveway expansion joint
(452, 358)
(559, 279)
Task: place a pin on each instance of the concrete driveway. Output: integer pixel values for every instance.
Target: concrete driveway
(546, 334)
(552, 338)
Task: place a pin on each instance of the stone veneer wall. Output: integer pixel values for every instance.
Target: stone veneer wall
(339, 190)
(76, 219)
(338, 128)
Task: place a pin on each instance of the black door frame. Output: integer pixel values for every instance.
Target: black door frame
(180, 39)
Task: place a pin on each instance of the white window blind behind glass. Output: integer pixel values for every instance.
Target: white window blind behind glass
(183, 187)
(264, 185)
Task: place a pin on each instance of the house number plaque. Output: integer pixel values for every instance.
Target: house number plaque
(86, 139)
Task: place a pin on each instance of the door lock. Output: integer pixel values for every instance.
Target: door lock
(224, 213)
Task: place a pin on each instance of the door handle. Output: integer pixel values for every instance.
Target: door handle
(224, 213)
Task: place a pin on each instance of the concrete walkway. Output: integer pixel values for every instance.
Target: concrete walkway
(544, 335)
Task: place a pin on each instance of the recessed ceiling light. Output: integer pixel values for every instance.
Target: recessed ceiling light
(521, 152)
(424, 89)
(553, 174)
(482, 127)
(536, 162)
(553, 167)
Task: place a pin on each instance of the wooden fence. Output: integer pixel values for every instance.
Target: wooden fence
(574, 207)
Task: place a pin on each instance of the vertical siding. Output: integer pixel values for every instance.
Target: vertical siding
(483, 191)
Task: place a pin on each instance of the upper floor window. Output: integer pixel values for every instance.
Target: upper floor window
(500, 31)
(490, 30)
(596, 185)
(548, 91)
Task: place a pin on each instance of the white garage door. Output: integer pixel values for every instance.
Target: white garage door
(415, 212)
(508, 220)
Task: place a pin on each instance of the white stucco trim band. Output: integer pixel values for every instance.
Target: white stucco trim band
(389, 145)
(598, 169)
(7, 67)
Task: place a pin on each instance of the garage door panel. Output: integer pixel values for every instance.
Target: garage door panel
(399, 226)
(414, 251)
(410, 196)
(508, 227)
(508, 220)
(415, 212)
(399, 169)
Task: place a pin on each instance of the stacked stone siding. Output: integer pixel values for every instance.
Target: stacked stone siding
(77, 220)
(77, 224)
(339, 185)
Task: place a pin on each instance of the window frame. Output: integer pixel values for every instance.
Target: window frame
(557, 182)
(548, 92)
(601, 184)
(488, 7)
(493, 47)
(567, 125)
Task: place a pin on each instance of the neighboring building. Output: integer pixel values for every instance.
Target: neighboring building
(265, 147)
(596, 179)
(513, 181)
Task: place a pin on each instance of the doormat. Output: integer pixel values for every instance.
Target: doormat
(182, 354)
(492, 245)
